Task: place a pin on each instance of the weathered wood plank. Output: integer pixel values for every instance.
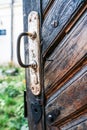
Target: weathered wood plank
(56, 19)
(46, 5)
(28, 6)
(70, 24)
(71, 98)
(67, 54)
(52, 128)
(57, 85)
(82, 126)
(78, 123)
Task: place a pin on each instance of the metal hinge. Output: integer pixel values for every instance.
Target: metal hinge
(36, 109)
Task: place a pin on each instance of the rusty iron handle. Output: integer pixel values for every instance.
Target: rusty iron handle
(33, 36)
(18, 49)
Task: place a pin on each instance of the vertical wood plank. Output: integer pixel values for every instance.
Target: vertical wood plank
(28, 6)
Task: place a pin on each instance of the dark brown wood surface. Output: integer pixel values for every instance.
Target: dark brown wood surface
(79, 123)
(72, 97)
(67, 55)
(81, 126)
(61, 12)
(65, 70)
(64, 51)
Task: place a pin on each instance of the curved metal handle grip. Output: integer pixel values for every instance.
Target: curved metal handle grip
(18, 49)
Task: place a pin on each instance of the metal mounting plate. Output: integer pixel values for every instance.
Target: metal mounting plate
(34, 52)
(36, 112)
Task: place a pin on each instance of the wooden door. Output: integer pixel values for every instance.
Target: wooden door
(63, 32)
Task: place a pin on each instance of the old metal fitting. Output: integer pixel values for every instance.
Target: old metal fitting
(33, 65)
(32, 35)
(52, 116)
(54, 23)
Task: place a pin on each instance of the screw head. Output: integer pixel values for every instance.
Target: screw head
(50, 118)
(54, 23)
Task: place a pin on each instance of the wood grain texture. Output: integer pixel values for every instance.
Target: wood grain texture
(28, 6)
(61, 11)
(67, 28)
(71, 98)
(46, 5)
(76, 124)
(67, 54)
(66, 73)
(57, 85)
(52, 128)
(82, 126)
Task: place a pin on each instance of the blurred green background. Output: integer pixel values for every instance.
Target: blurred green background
(12, 85)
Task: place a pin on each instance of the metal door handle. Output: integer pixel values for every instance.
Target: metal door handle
(34, 52)
(33, 36)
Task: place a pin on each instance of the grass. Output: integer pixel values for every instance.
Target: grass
(11, 99)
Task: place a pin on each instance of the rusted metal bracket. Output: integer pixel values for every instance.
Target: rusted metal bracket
(36, 110)
(34, 52)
